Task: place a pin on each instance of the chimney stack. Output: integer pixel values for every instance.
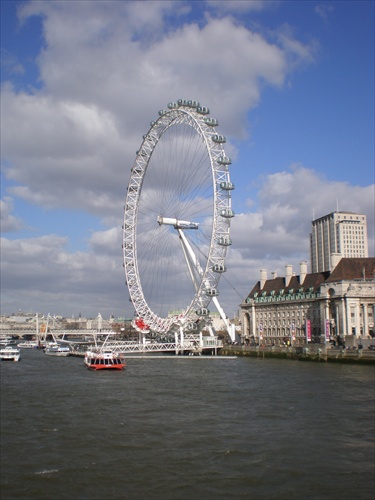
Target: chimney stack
(303, 271)
(335, 259)
(274, 275)
(263, 277)
(288, 274)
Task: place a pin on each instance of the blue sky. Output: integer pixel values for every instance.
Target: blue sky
(290, 82)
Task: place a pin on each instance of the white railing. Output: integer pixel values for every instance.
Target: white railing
(132, 347)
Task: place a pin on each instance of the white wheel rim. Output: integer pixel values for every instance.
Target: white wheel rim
(178, 154)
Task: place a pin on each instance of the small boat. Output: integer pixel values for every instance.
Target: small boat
(10, 354)
(57, 350)
(7, 341)
(29, 344)
(104, 360)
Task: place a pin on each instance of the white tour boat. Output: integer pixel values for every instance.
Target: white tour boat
(29, 344)
(104, 360)
(10, 354)
(57, 350)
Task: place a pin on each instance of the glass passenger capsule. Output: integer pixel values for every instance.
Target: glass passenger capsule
(211, 122)
(220, 139)
(203, 111)
(183, 102)
(224, 160)
(224, 241)
(226, 186)
(203, 311)
(211, 292)
(219, 268)
(193, 104)
(227, 213)
(173, 105)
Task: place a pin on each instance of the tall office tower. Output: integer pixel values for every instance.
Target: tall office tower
(337, 235)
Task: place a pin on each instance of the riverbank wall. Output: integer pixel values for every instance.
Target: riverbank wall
(316, 352)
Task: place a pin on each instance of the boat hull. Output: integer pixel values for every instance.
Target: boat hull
(105, 367)
(58, 354)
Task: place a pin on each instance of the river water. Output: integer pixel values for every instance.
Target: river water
(186, 428)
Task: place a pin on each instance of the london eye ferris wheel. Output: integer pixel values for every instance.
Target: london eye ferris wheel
(177, 218)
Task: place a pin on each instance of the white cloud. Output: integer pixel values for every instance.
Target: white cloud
(8, 221)
(107, 242)
(102, 87)
(278, 231)
(50, 128)
(9, 63)
(40, 274)
(296, 51)
(324, 10)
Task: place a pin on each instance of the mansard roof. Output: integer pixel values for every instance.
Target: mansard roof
(353, 269)
(347, 269)
(311, 282)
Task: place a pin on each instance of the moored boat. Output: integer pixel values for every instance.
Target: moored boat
(29, 344)
(104, 360)
(7, 341)
(57, 350)
(10, 354)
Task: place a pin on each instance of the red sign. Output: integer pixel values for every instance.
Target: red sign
(308, 330)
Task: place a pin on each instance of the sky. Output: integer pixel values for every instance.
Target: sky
(291, 84)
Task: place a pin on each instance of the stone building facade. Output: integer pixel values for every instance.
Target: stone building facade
(336, 306)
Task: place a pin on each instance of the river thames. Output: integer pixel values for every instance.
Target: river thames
(186, 428)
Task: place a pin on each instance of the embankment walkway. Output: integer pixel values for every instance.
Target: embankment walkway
(316, 352)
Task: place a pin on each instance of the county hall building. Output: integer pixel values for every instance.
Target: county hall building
(335, 302)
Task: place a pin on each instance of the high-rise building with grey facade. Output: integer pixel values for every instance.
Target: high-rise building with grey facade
(335, 236)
